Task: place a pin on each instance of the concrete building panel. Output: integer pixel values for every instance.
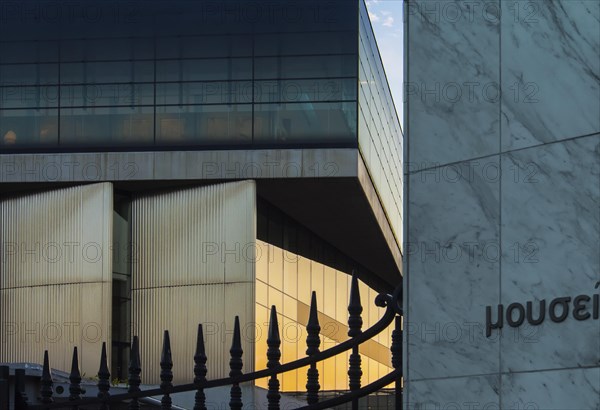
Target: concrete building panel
(195, 258)
(56, 260)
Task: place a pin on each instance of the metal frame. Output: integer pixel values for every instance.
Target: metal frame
(393, 312)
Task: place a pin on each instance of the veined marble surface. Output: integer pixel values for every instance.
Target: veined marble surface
(551, 248)
(477, 393)
(550, 66)
(453, 80)
(544, 214)
(453, 259)
(571, 389)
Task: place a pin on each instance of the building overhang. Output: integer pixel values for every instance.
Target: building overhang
(326, 189)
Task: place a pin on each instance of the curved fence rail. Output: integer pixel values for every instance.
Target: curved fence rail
(104, 400)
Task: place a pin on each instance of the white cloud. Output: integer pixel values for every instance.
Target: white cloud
(374, 17)
(389, 21)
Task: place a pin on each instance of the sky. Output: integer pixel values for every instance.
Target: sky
(386, 18)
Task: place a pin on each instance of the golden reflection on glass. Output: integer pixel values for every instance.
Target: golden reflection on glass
(329, 301)
(261, 293)
(291, 279)
(374, 311)
(290, 274)
(276, 267)
(260, 358)
(290, 337)
(275, 298)
(341, 293)
(328, 375)
(290, 307)
(316, 272)
(262, 261)
(373, 367)
(304, 284)
(290, 378)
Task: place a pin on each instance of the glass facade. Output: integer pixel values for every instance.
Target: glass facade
(154, 75)
(291, 263)
(379, 136)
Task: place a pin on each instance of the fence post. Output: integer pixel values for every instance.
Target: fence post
(235, 366)
(396, 349)
(312, 343)
(46, 381)
(355, 323)
(4, 389)
(273, 356)
(20, 396)
(166, 373)
(75, 379)
(134, 373)
(200, 370)
(103, 379)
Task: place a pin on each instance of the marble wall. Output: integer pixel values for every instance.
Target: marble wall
(502, 182)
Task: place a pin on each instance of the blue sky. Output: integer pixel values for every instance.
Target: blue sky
(386, 18)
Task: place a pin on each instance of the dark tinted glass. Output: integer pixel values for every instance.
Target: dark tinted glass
(209, 124)
(30, 96)
(204, 70)
(214, 92)
(92, 95)
(98, 74)
(31, 127)
(306, 67)
(28, 74)
(306, 90)
(106, 126)
(305, 122)
(107, 72)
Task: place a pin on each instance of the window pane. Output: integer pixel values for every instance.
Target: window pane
(216, 46)
(305, 43)
(319, 122)
(107, 49)
(261, 293)
(28, 127)
(112, 72)
(216, 92)
(28, 74)
(28, 52)
(30, 96)
(216, 124)
(305, 90)
(204, 70)
(106, 126)
(306, 67)
(102, 95)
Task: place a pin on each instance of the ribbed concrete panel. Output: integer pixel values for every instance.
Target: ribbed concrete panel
(51, 318)
(179, 309)
(195, 236)
(57, 237)
(194, 264)
(55, 275)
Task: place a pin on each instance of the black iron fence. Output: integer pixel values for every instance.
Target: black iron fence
(131, 399)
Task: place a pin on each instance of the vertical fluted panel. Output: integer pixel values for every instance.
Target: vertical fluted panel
(55, 275)
(194, 263)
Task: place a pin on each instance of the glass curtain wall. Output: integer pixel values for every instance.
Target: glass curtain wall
(193, 73)
(380, 135)
(291, 263)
